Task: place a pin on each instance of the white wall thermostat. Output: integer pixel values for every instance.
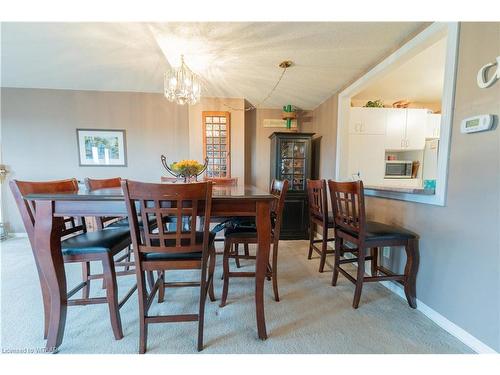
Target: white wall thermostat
(477, 123)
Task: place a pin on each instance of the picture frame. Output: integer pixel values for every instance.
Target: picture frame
(101, 147)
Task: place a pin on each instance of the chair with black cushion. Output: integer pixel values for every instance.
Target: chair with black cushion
(248, 235)
(106, 183)
(77, 245)
(351, 226)
(319, 218)
(170, 247)
(110, 222)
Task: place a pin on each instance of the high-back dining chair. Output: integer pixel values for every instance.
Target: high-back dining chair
(77, 245)
(248, 235)
(106, 183)
(170, 247)
(319, 218)
(222, 181)
(349, 214)
(111, 222)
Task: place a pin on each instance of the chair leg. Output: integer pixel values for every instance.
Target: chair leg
(311, 238)
(85, 277)
(275, 273)
(151, 279)
(108, 268)
(374, 261)
(359, 277)
(237, 255)
(161, 286)
(324, 244)
(411, 269)
(203, 299)
(247, 251)
(225, 266)
(339, 242)
(143, 327)
(129, 253)
(211, 270)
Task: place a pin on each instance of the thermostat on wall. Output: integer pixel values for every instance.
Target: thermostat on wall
(477, 123)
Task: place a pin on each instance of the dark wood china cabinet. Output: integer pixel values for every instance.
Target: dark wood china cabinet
(291, 159)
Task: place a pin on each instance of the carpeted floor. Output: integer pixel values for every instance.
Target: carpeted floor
(312, 317)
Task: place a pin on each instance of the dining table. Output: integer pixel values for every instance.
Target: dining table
(227, 201)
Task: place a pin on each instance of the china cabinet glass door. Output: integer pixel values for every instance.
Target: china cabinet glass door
(293, 162)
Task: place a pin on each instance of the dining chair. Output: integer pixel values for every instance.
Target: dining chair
(248, 235)
(106, 183)
(78, 246)
(170, 247)
(222, 181)
(319, 217)
(351, 226)
(111, 222)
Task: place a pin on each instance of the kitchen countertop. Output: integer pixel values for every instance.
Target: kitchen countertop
(407, 190)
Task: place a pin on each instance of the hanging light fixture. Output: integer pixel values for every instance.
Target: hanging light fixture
(181, 85)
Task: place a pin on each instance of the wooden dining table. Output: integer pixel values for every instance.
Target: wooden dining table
(227, 201)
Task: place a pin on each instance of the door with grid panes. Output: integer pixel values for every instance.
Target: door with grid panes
(216, 144)
(291, 159)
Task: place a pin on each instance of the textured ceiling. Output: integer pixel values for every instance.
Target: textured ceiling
(419, 79)
(234, 59)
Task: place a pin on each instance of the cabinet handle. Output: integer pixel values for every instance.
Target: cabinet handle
(402, 143)
(362, 127)
(407, 142)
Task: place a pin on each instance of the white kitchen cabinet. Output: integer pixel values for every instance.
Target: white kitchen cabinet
(396, 129)
(406, 129)
(370, 121)
(416, 122)
(366, 157)
(433, 126)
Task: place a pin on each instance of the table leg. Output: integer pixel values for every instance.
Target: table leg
(263, 221)
(48, 247)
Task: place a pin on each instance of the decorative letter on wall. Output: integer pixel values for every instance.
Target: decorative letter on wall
(482, 75)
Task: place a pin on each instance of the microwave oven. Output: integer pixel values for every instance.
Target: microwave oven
(398, 168)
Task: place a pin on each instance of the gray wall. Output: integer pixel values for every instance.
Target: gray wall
(39, 135)
(459, 273)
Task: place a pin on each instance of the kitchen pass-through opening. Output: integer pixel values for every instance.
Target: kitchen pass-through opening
(394, 123)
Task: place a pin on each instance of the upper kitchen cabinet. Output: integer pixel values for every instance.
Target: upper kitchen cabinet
(369, 121)
(396, 128)
(406, 129)
(433, 126)
(416, 122)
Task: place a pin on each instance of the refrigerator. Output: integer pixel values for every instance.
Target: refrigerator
(429, 171)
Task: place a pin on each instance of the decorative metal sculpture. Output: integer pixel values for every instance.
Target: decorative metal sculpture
(183, 175)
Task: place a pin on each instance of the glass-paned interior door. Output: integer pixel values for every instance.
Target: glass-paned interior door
(216, 143)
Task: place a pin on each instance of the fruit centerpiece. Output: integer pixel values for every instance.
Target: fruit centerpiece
(186, 169)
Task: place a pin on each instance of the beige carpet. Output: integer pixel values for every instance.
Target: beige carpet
(312, 317)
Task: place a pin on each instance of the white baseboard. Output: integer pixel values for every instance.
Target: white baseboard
(450, 327)
(472, 342)
(19, 235)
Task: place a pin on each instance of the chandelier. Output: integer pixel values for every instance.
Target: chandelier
(181, 85)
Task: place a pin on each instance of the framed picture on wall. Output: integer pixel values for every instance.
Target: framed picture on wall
(101, 147)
